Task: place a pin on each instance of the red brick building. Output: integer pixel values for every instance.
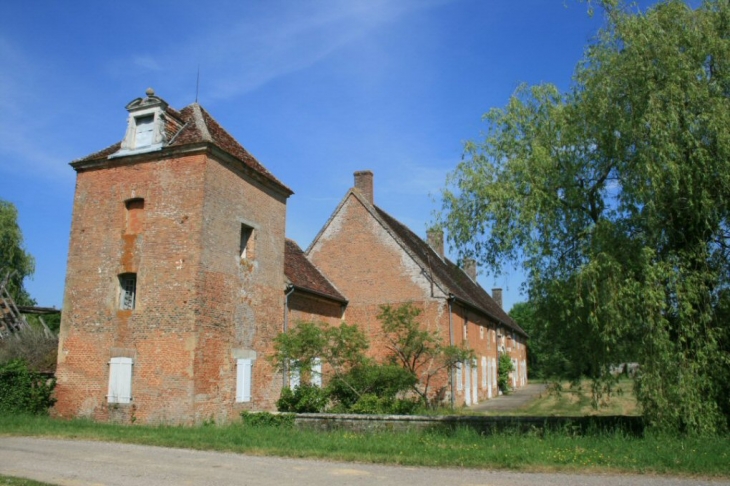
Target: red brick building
(180, 276)
(373, 259)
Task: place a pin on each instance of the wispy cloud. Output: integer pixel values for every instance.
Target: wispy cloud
(252, 52)
(23, 150)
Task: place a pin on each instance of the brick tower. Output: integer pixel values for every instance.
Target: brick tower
(175, 274)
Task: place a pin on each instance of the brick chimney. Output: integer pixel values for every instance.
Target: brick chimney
(497, 296)
(470, 268)
(435, 239)
(364, 183)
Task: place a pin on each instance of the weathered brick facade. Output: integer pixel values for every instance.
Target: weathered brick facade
(375, 260)
(199, 305)
(180, 277)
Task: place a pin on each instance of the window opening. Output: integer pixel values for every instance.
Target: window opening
(128, 291)
(144, 131)
(246, 247)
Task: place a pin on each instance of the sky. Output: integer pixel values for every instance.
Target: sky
(314, 89)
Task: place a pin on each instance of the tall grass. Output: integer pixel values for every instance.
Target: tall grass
(551, 451)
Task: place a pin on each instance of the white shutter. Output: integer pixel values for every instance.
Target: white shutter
(120, 380)
(144, 131)
(490, 381)
(243, 379)
(484, 372)
(317, 372)
(474, 382)
(293, 374)
(459, 377)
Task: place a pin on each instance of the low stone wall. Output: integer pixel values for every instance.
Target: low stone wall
(482, 424)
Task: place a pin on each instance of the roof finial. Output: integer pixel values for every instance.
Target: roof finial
(150, 92)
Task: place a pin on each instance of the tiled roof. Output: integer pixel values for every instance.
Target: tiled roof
(305, 276)
(458, 283)
(198, 127)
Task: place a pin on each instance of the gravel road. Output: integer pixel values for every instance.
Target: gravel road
(70, 462)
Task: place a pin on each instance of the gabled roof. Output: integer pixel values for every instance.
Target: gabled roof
(442, 271)
(303, 275)
(197, 126)
(456, 281)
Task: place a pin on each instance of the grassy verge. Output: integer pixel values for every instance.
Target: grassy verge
(464, 448)
(13, 481)
(575, 400)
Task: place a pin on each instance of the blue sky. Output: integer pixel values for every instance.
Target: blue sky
(315, 90)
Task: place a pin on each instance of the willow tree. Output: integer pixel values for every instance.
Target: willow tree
(14, 260)
(615, 197)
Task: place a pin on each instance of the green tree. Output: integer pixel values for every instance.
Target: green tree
(13, 257)
(340, 348)
(417, 350)
(615, 197)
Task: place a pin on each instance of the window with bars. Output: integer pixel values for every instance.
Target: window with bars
(127, 291)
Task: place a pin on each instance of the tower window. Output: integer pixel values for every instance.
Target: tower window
(246, 247)
(128, 291)
(144, 131)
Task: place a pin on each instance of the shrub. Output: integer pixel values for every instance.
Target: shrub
(503, 371)
(305, 398)
(266, 419)
(22, 390)
(383, 381)
(32, 346)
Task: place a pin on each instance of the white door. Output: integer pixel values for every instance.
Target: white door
(467, 384)
(474, 383)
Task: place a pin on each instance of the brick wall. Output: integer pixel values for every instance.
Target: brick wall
(198, 305)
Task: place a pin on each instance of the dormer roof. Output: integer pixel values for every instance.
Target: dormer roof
(191, 126)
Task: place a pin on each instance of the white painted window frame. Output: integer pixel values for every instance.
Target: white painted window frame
(120, 380)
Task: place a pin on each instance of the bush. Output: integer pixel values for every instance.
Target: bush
(305, 398)
(266, 419)
(503, 371)
(373, 404)
(33, 347)
(22, 390)
(383, 381)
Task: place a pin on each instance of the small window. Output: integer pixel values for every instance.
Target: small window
(244, 368)
(481, 332)
(128, 291)
(120, 380)
(144, 131)
(466, 325)
(459, 377)
(316, 372)
(135, 215)
(246, 247)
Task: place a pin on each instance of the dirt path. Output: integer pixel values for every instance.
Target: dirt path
(517, 399)
(67, 462)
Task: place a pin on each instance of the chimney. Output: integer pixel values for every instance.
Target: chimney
(364, 183)
(470, 268)
(497, 296)
(435, 239)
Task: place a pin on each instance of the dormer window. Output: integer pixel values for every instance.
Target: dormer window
(144, 134)
(146, 126)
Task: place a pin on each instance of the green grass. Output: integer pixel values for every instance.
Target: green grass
(553, 451)
(575, 400)
(13, 481)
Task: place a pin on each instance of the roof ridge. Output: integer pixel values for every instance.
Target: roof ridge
(200, 122)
